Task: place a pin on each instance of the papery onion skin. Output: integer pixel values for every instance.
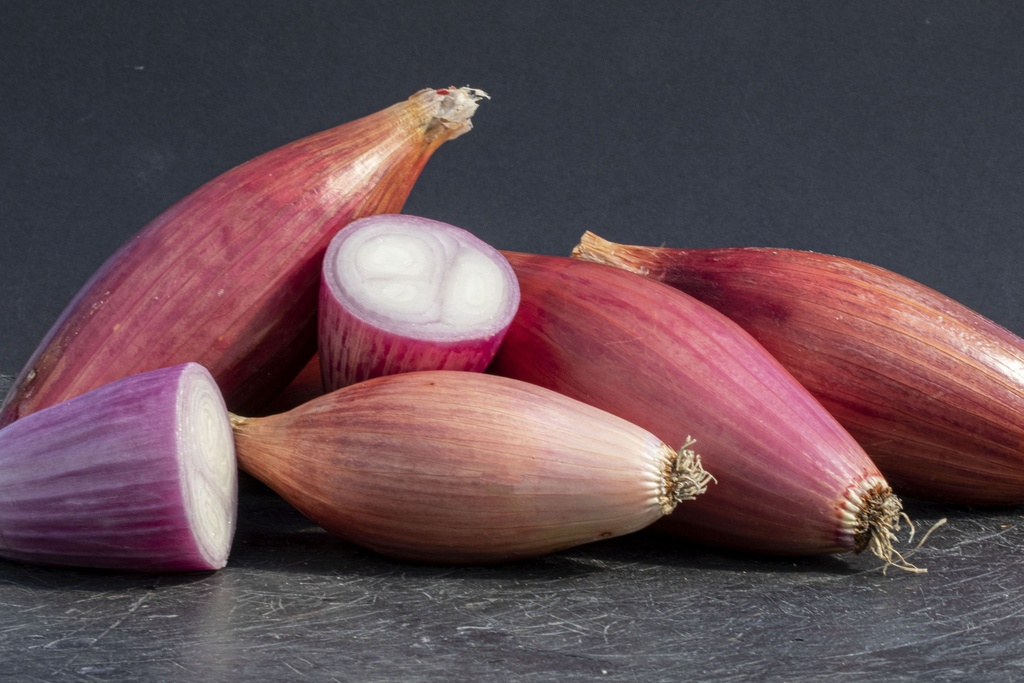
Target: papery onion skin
(456, 467)
(228, 276)
(138, 475)
(932, 390)
(365, 334)
(666, 362)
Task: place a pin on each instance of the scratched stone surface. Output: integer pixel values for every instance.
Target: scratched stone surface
(297, 604)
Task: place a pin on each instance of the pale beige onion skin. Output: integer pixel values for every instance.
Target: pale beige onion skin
(459, 467)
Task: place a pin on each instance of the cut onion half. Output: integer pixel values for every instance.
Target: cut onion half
(139, 474)
(402, 293)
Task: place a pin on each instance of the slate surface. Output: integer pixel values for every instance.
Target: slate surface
(886, 132)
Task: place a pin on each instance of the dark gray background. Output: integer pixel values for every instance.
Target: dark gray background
(886, 131)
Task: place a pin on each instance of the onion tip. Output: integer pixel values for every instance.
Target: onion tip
(454, 111)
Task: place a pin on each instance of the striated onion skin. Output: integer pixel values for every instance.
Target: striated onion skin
(228, 276)
(401, 293)
(790, 479)
(931, 389)
(137, 475)
(458, 467)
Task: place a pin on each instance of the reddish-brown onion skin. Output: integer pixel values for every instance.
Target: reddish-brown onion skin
(228, 277)
(458, 467)
(662, 360)
(932, 390)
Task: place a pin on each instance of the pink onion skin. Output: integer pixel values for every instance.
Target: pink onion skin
(358, 341)
(933, 390)
(666, 362)
(228, 276)
(458, 467)
(111, 479)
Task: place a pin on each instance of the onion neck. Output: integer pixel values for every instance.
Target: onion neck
(599, 250)
(452, 110)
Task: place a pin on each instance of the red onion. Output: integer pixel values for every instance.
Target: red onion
(138, 475)
(791, 480)
(462, 467)
(228, 276)
(932, 390)
(401, 293)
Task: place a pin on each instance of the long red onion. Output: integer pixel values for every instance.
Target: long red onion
(791, 480)
(228, 276)
(931, 389)
(462, 467)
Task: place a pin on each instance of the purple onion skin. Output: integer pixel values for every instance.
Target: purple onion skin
(360, 341)
(228, 276)
(657, 357)
(932, 390)
(104, 480)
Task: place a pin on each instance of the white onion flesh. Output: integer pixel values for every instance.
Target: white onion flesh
(206, 452)
(402, 293)
(397, 272)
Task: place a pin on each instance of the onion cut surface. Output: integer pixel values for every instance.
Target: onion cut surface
(228, 276)
(790, 479)
(933, 390)
(459, 467)
(137, 475)
(401, 293)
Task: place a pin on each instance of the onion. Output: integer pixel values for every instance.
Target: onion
(139, 475)
(228, 276)
(401, 293)
(460, 467)
(933, 390)
(791, 480)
